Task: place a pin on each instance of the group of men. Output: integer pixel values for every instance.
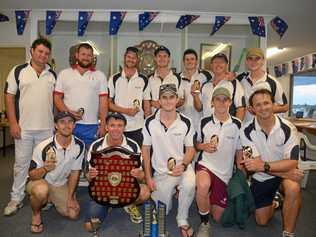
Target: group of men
(190, 129)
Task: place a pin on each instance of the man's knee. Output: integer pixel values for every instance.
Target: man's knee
(292, 189)
(262, 220)
(73, 214)
(144, 193)
(39, 190)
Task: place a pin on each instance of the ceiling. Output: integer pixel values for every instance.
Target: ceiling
(300, 39)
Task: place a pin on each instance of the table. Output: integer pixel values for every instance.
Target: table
(4, 125)
(307, 125)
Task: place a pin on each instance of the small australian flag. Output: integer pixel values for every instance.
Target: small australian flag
(219, 22)
(257, 25)
(83, 20)
(186, 20)
(116, 20)
(51, 19)
(145, 18)
(279, 25)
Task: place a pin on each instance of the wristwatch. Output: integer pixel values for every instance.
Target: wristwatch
(266, 167)
(185, 166)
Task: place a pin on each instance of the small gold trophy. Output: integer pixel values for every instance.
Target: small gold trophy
(247, 152)
(50, 154)
(171, 163)
(197, 86)
(136, 104)
(80, 112)
(214, 140)
(95, 224)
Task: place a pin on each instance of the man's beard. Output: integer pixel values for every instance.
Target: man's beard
(81, 64)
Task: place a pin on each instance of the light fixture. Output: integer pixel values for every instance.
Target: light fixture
(96, 51)
(274, 50)
(217, 50)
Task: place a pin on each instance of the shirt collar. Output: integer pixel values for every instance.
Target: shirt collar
(168, 75)
(59, 147)
(216, 121)
(105, 141)
(134, 76)
(276, 126)
(91, 68)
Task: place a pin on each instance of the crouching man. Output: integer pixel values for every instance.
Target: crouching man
(54, 172)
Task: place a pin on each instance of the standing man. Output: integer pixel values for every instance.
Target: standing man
(115, 123)
(257, 78)
(192, 80)
(129, 95)
(218, 141)
(82, 91)
(163, 75)
(170, 136)
(54, 172)
(221, 78)
(29, 103)
(275, 151)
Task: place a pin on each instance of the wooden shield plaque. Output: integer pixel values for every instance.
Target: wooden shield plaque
(114, 186)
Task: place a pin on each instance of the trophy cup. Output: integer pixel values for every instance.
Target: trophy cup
(197, 86)
(95, 224)
(136, 104)
(80, 112)
(171, 163)
(214, 140)
(147, 219)
(162, 232)
(50, 154)
(247, 152)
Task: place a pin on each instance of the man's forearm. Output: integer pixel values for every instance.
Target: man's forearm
(73, 182)
(146, 159)
(188, 155)
(10, 106)
(37, 173)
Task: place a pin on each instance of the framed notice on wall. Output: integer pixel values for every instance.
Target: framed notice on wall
(207, 51)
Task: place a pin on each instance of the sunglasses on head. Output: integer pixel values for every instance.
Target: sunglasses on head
(253, 58)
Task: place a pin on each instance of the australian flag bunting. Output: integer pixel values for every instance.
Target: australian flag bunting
(219, 22)
(186, 20)
(257, 25)
(3, 18)
(279, 25)
(116, 20)
(21, 17)
(51, 19)
(145, 18)
(83, 20)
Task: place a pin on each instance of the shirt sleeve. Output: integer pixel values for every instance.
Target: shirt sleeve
(77, 165)
(11, 85)
(188, 140)
(291, 147)
(199, 133)
(146, 94)
(111, 88)
(147, 137)
(239, 99)
(181, 91)
(37, 159)
(103, 84)
(59, 88)
(280, 97)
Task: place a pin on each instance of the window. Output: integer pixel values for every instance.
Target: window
(304, 95)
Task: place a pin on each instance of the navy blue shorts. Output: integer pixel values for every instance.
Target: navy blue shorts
(86, 132)
(264, 192)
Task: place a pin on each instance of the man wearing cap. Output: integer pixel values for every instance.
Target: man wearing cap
(275, 152)
(219, 67)
(192, 80)
(218, 141)
(129, 95)
(170, 136)
(163, 75)
(54, 172)
(258, 78)
(115, 124)
(82, 91)
(29, 103)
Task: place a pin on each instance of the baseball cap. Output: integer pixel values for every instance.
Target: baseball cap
(220, 55)
(221, 91)
(131, 49)
(63, 114)
(116, 115)
(168, 88)
(255, 52)
(162, 48)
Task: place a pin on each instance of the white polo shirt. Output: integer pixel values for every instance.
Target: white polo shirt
(266, 82)
(124, 91)
(221, 162)
(235, 89)
(281, 143)
(82, 91)
(101, 144)
(33, 96)
(155, 82)
(167, 142)
(188, 108)
(67, 159)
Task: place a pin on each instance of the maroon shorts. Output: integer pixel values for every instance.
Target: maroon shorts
(218, 189)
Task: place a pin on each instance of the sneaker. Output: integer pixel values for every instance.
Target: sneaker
(48, 206)
(277, 202)
(12, 208)
(204, 230)
(134, 213)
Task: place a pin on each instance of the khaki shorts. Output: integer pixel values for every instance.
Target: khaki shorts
(57, 195)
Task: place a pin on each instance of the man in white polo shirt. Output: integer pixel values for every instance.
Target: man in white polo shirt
(54, 172)
(275, 151)
(192, 80)
(163, 75)
(257, 78)
(218, 141)
(170, 136)
(82, 91)
(221, 78)
(129, 95)
(29, 103)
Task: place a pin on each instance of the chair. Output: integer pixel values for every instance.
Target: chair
(304, 164)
